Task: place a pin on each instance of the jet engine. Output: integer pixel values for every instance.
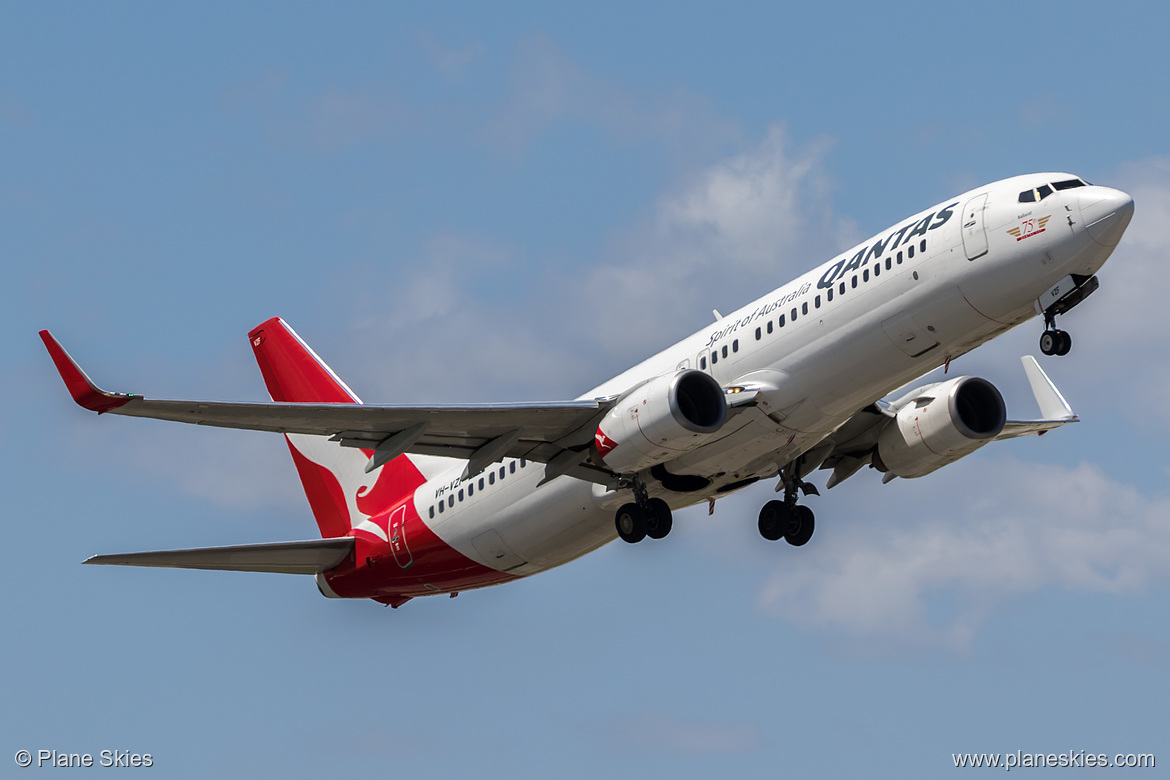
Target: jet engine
(938, 425)
(660, 420)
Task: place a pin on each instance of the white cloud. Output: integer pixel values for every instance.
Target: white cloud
(741, 227)
(933, 581)
(463, 318)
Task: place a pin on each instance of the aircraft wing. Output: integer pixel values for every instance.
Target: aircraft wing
(558, 433)
(307, 557)
(854, 442)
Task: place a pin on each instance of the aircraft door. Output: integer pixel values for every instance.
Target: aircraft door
(974, 232)
(397, 533)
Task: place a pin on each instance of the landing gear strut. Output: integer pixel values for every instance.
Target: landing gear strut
(786, 519)
(643, 517)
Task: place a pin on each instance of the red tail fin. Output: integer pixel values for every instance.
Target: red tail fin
(292, 371)
(340, 493)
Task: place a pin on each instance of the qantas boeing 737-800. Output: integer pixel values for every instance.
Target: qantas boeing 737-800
(413, 501)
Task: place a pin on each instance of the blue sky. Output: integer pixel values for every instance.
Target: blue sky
(512, 202)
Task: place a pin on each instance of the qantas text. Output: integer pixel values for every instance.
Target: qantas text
(903, 234)
(896, 238)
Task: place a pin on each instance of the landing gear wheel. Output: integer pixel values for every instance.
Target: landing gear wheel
(800, 527)
(1055, 342)
(1063, 342)
(659, 520)
(772, 520)
(631, 523)
(1048, 342)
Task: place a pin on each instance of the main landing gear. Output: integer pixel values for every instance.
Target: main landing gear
(643, 517)
(786, 519)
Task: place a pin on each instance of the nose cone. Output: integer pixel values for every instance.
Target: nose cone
(1106, 213)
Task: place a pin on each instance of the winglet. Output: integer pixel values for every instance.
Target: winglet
(1051, 402)
(84, 391)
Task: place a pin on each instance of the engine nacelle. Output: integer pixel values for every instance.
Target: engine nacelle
(940, 424)
(660, 420)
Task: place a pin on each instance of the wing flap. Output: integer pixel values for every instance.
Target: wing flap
(308, 557)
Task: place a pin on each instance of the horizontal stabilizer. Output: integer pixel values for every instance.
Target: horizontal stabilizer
(1051, 402)
(308, 557)
(1054, 410)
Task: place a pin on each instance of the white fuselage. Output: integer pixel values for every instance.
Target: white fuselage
(933, 287)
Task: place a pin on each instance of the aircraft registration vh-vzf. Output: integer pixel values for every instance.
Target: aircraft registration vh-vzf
(419, 500)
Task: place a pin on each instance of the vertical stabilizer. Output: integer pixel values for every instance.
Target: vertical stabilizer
(340, 493)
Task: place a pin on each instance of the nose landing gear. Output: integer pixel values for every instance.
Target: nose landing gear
(1054, 341)
(1068, 292)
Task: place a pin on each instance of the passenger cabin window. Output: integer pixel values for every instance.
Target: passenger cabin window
(877, 269)
(792, 315)
(770, 324)
(922, 245)
(432, 511)
(889, 263)
(841, 289)
(460, 494)
(492, 478)
(854, 281)
(781, 320)
(804, 308)
(829, 293)
(703, 362)
(512, 467)
(481, 483)
(714, 358)
(817, 301)
(441, 505)
(735, 346)
(451, 500)
(501, 472)
(724, 350)
(865, 275)
(910, 252)
(899, 258)
(759, 334)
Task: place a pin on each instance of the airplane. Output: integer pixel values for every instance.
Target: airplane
(421, 500)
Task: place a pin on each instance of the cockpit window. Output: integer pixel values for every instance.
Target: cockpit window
(1044, 190)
